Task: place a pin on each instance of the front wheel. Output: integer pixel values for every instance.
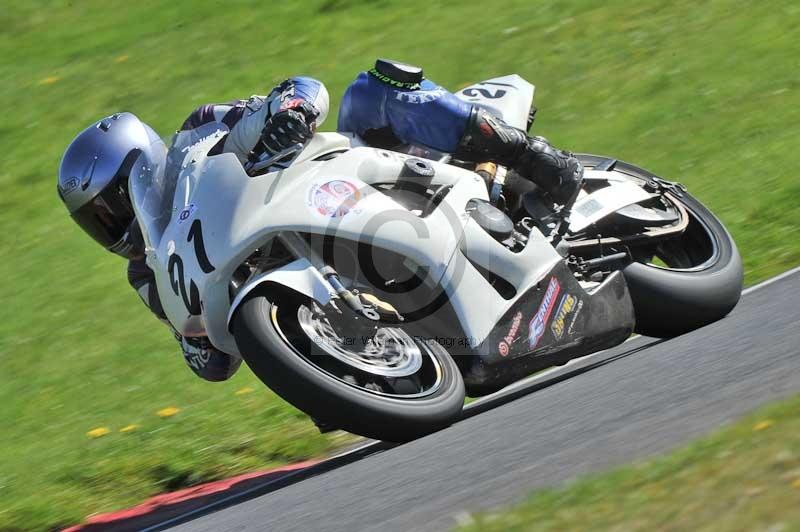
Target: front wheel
(378, 382)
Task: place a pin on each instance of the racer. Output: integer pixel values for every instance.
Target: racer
(390, 104)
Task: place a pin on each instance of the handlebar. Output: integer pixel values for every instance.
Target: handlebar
(253, 167)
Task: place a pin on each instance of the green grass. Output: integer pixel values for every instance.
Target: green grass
(703, 92)
(744, 477)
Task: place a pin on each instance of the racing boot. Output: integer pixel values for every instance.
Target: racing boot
(487, 138)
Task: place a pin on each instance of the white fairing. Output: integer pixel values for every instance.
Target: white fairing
(509, 97)
(220, 215)
(300, 275)
(590, 208)
(239, 213)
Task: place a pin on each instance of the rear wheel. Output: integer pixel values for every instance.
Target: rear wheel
(378, 382)
(684, 282)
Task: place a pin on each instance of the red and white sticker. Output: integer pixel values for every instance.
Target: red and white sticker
(509, 338)
(335, 198)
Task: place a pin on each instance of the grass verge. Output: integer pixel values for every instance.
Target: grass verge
(706, 93)
(743, 477)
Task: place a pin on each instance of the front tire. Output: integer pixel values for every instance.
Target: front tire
(269, 331)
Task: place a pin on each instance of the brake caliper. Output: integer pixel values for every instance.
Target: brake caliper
(385, 310)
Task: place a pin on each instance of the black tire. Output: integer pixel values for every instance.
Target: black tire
(673, 301)
(279, 364)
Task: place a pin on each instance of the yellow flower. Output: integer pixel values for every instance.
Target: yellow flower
(129, 428)
(98, 432)
(121, 59)
(761, 425)
(245, 391)
(168, 412)
(49, 80)
(796, 483)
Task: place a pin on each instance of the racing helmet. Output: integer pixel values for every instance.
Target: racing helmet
(93, 177)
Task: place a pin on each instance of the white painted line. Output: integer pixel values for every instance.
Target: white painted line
(348, 452)
(771, 280)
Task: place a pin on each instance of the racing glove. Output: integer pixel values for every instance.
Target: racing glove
(292, 124)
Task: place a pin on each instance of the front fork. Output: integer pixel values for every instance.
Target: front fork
(364, 305)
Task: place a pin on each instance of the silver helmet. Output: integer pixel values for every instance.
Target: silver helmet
(93, 177)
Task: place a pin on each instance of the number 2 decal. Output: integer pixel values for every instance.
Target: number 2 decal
(191, 298)
(473, 93)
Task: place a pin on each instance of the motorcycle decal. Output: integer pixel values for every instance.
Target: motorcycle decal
(186, 213)
(473, 92)
(575, 316)
(512, 334)
(588, 207)
(191, 297)
(205, 143)
(175, 268)
(196, 235)
(334, 199)
(567, 305)
(537, 326)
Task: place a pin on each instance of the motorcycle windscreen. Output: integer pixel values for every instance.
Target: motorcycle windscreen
(155, 175)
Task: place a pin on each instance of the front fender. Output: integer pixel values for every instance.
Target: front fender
(299, 276)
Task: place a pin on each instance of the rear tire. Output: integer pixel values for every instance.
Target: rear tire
(670, 301)
(270, 339)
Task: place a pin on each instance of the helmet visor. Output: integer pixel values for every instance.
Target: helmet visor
(107, 216)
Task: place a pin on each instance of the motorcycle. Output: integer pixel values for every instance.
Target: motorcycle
(374, 288)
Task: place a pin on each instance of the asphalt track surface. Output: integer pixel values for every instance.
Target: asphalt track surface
(639, 399)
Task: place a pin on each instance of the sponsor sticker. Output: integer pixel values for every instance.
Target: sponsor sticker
(186, 213)
(575, 316)
(512, 334)
(567, 305)
(538, 324)
(334, 199)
